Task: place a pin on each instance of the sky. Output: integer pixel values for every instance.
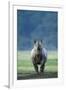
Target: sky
(41, 25)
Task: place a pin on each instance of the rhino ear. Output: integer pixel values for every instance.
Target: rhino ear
(34, 41)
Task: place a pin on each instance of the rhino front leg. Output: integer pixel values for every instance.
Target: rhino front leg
(35, 66)
(42, 67)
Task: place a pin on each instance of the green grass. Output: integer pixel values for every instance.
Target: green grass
(25, 69)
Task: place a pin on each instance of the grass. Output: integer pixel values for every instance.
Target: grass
(25, 69)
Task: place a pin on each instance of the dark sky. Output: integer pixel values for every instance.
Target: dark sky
(33, 25)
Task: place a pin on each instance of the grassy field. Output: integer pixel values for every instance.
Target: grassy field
(25, 69)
